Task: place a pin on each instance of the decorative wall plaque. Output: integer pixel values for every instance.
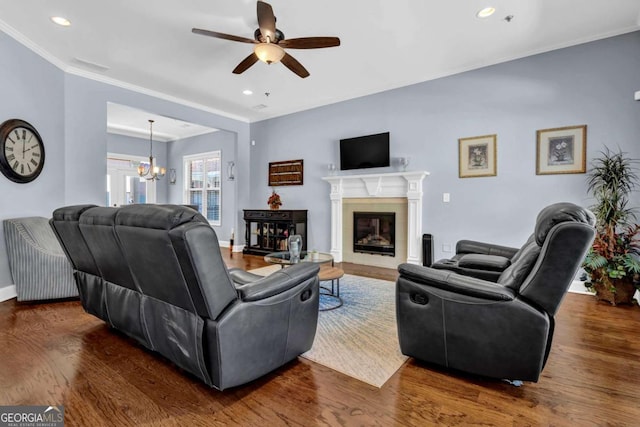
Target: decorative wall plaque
(288, 172)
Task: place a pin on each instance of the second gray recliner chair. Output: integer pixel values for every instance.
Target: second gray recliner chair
(500, 329)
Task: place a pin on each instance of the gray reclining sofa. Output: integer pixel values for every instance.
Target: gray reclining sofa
(155, 273)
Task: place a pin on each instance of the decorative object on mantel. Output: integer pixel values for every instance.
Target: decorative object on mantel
(404, 162)
(477, 156)
(288, 172)
(151, 171)
(612, 263)
(274, 201)
(561, 150)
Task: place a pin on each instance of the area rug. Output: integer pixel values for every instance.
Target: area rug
(359, 339)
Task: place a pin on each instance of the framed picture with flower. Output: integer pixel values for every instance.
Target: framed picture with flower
(561, 150)
(477, 156)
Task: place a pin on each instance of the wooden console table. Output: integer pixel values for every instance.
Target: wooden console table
(268, 230)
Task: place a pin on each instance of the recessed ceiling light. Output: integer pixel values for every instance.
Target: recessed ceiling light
(247, 92)
(486, 12)
(60, 20)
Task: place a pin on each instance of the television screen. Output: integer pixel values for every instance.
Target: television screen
(370, 151)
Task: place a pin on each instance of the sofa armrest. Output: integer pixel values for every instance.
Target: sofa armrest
(241, 277)
(456, 283)
(484, 262)
(473, 247)
(278, 282)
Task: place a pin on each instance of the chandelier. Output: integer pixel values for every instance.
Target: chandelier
(151, 171)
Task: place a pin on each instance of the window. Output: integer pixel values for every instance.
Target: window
(203, 185)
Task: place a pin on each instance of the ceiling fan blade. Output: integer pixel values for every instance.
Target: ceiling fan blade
(266, 21)
(310, 42)
(222, 36)
(291, 63)
(245, 64)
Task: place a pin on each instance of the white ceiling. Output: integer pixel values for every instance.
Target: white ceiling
(124, 120)
(148, 45)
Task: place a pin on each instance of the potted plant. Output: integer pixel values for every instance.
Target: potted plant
(612, 263)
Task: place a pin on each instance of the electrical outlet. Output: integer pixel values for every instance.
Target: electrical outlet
(446, 197)
(446, 248)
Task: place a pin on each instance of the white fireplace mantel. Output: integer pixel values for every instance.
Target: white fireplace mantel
(396, 184)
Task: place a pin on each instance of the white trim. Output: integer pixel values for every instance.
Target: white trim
(396, 184)
(225, 244)
(8, 292)
(29, 44)
(577, 287)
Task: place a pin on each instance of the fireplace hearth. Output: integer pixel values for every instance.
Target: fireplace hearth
(374, 233)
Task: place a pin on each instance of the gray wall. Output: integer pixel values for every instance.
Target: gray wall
(589, 84)
(226, 143)
(32, 90)
(70, 113)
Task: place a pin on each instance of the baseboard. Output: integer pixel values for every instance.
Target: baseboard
(225, 244)
(8, 292)
(577, 287)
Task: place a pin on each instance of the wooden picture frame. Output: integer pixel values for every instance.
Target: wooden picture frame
(477, 156)
(287, 172)
(561, 150)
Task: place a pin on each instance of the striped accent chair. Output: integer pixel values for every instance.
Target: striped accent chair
(38, 265)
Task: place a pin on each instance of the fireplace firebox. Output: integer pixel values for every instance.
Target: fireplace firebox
(374, 233)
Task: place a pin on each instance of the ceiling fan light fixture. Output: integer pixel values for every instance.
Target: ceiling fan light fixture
(269, 52)
(486, 12)
(61, 20)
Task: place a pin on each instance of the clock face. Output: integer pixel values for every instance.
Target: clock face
(21, 151)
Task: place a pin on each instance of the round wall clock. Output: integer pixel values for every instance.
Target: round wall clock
(21, 151)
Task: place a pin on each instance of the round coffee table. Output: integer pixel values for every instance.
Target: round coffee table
(284, 258)
(326, 274)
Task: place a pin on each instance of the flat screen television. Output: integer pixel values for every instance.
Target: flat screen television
(370, 151)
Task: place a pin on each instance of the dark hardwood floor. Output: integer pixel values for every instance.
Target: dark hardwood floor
(55, 353)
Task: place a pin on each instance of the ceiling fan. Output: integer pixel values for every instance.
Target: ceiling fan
(270, 43)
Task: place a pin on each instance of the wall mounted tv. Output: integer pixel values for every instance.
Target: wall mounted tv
(370, 151)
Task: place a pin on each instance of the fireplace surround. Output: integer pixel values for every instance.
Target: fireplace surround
(407, 185)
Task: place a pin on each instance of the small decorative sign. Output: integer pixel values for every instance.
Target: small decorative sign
(288, 172)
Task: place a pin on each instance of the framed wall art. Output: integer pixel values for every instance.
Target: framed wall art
(288, 172)
(477, 156)
(561, 150)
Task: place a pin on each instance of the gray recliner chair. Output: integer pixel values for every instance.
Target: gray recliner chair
(155, 273)
(500, 329)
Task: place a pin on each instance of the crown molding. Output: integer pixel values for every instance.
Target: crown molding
(47, 56)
